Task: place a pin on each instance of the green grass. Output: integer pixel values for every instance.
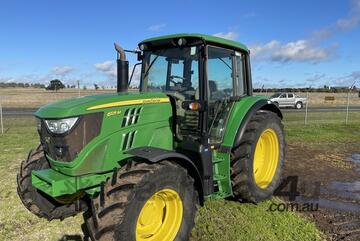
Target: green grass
(217, 220)
(324, 130)
(230, 220)
(321, 117)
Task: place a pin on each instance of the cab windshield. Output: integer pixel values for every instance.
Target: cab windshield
(174, 71)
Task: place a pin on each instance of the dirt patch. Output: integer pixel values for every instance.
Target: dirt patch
(331, 180)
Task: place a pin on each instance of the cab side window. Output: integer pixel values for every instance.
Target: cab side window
(240, 74)
(220, 71)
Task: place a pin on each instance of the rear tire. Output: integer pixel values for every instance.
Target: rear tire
(245, 183)
(36, 201)
(122, 200)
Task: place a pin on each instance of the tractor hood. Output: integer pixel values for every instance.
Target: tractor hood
(97, 103)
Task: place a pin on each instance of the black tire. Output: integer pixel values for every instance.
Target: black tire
(116, 209)
(299, 105)
(242, 177)
(36, 201)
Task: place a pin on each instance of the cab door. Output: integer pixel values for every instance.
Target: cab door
(226, 79)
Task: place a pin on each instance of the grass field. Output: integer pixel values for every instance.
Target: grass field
(32, 98)
(298, 118)
(217, 220)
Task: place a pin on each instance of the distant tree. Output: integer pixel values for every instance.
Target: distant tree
(55, 85)
(96, 86)
(84, 87)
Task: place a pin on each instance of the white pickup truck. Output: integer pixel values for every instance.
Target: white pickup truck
(288, 100)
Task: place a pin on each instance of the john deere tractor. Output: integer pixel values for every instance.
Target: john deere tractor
(137, 164)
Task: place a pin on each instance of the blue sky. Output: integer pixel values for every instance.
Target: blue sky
(293, 43)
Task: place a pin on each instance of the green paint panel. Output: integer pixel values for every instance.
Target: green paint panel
(207, 38)
(123, 127)
(221, 162)
(238, 112)
(56, 184)
(78, 106)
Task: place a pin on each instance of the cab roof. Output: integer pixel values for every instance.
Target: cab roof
(207, 38)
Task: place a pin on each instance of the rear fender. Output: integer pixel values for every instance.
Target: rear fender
(260, 105)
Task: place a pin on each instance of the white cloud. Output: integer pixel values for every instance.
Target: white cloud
(348, 80)
(316, 78)
(62, 70)
(250, 15)
(260, 50)
(107, 67)
(157, 27)
(227, 35)
(303, 51)
(353, 19)
(299, 51)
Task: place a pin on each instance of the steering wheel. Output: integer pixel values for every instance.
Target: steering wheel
(172, 77)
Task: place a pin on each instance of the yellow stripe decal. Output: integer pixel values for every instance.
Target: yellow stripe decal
(130, 102)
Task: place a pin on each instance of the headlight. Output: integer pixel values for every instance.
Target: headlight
(61, 126)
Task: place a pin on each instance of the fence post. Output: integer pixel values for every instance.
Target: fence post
(347, 107)
(1, 119)
(78, 84)
(306, 107)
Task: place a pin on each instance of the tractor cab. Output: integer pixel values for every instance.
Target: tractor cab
(201, 76)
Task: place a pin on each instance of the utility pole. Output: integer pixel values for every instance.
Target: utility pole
(78, 83)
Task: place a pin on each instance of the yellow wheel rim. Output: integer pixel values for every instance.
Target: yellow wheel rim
(266, 158)
(160, 218)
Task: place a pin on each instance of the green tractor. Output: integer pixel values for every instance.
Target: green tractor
(137, 164)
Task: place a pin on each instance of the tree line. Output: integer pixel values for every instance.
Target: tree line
(56, 84)
(325, 89)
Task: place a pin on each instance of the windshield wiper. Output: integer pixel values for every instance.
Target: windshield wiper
(225, 63)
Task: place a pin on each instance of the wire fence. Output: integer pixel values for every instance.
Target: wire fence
(321, 108)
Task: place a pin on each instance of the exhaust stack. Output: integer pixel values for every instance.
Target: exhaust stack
(122, 69)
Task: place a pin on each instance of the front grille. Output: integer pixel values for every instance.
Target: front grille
(128, 140)
(66, 147)
(131, 116)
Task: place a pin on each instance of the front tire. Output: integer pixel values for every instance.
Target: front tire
(36, 201)
(144, 202)
(256, 164)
